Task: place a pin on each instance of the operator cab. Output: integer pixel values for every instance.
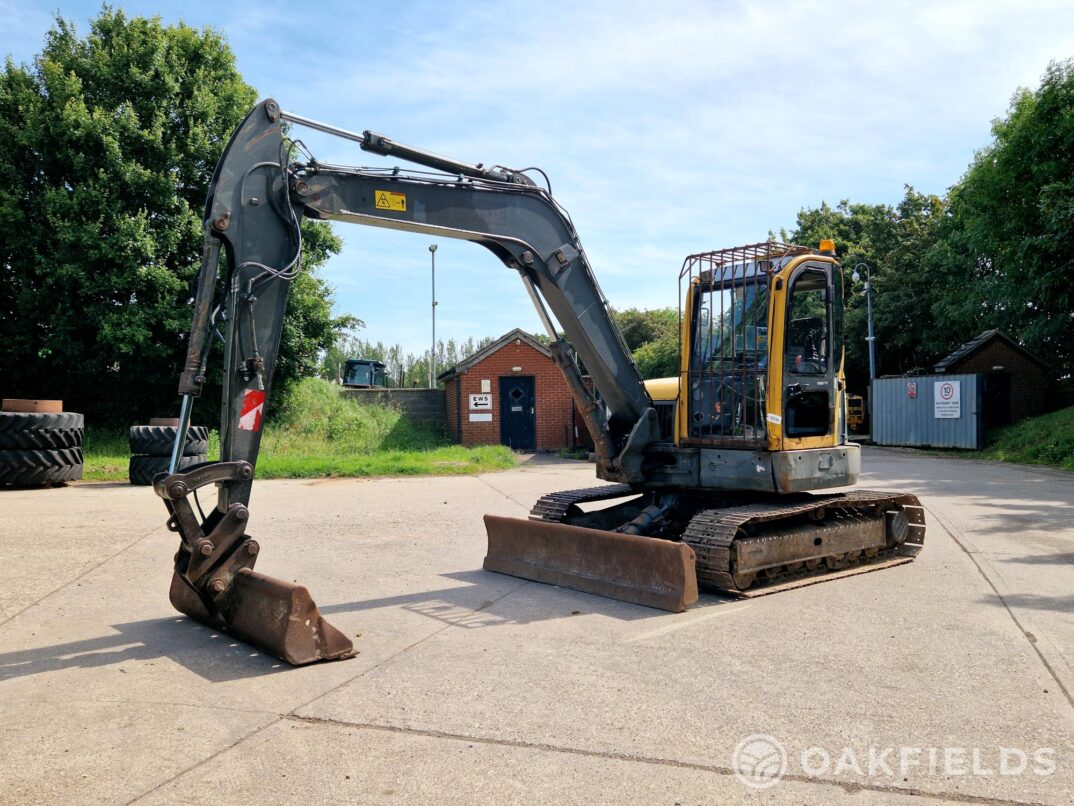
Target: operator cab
(761, 346)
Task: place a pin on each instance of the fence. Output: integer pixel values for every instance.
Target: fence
(938, 411)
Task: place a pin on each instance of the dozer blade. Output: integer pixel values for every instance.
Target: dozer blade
(643, 570)
(276, 616)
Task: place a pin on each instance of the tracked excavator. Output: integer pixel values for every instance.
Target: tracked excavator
(722, 476)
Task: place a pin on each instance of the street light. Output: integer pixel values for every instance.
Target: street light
(869, 304)
(432, 353)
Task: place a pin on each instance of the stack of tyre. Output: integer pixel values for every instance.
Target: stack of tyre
(151, 448)
(40, 443)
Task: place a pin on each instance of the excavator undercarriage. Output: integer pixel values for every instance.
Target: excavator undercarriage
(740, 545)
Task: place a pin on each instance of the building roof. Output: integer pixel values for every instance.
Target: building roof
(488, 350)
(976, 343)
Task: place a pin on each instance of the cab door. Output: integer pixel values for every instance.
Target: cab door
(811, 357)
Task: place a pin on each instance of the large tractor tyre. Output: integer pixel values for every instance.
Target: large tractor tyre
(157, 440)
(26, 432)
(40, 467)
(143, 469)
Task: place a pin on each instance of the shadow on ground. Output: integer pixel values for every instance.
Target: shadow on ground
(1066, 558)
(1034, 601)
(216, 657)
(208, 653)
(455, 605)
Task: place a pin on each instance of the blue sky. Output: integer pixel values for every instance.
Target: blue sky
(666, 128)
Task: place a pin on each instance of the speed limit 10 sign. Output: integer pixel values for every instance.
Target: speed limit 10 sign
(947, 400)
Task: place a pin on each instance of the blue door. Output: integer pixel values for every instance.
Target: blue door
(518, 413)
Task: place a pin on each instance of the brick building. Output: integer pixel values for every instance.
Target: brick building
(511, 393)
(1016, 382)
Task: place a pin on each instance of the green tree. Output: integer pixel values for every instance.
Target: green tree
(652, 336)
(402, 368)
(924, 304)
(640, 327)
(658, 358)
(862, 233)
(1014, 220)
(996, 252)
(107, 144)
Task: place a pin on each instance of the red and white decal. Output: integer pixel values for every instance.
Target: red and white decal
(253, 406)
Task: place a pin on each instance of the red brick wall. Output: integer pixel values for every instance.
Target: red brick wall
(1029, 381)
(554, 403)
(451, 388)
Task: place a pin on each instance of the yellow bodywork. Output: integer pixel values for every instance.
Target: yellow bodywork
(663, 389)
(855, 411)
(779, 283)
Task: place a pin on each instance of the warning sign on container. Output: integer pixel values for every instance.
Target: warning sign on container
(947, 400)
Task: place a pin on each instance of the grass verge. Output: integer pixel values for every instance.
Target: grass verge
(106, 454)
(319, 433)
(452, 460)
(1044, 440)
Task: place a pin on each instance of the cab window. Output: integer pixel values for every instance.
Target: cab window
(807, 347)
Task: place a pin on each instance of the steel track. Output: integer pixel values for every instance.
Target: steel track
(712, 534)
(555, 507)
(712, 531)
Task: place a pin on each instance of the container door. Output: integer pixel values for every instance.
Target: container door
(518, 413)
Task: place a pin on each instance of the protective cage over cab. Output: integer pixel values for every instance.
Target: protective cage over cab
(762, 355)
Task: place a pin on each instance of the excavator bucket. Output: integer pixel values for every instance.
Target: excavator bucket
(214, 581)
(271, 614)
(643, 570)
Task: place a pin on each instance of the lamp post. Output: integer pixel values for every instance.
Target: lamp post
(432, 353)
(869, 305)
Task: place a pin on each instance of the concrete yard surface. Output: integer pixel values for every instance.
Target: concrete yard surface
(947, 679)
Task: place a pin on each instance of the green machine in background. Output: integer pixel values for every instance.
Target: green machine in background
(364, 373)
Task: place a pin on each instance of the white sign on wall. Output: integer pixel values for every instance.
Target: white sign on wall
(481, 402)
(947, 400)
(478, 417)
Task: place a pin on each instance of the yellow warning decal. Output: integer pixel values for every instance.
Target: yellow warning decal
(386, 200)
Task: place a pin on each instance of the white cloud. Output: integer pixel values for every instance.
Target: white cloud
(666, 128)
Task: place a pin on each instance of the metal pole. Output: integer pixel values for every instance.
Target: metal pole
(872, 336)
(180, 434)
(432, 354)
